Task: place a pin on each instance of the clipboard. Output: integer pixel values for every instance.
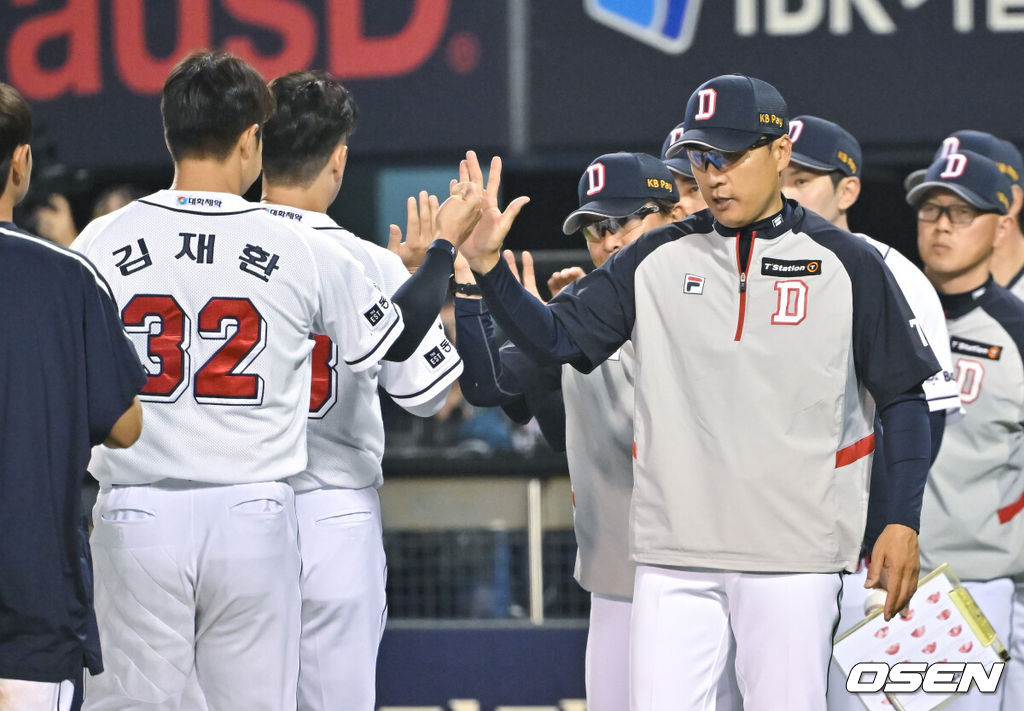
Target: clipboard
(946, 625)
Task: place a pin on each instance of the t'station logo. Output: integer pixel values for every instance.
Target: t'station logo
(667, 25)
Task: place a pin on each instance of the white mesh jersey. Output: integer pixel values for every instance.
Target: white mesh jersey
(941, 390)
(345, 435)
(219, 299)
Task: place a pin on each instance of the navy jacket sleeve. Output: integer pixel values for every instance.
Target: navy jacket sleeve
(506, 376)
(586, 323)
(114, 375)
(879, 515)
(891, 355)
(542, 394)
(485, 379)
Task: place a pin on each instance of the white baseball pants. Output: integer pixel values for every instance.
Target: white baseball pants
(343, 602)
(607, 659)
(21, 695)
(851, 612)
(195, 577)
(684, 622)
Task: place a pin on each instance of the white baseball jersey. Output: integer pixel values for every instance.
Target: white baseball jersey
(345, 435)
(220, 298)
(941, 390)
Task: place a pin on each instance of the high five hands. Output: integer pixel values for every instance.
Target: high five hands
(426, 221)
(483, 247)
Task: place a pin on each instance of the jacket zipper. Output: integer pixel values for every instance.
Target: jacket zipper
(743, 269)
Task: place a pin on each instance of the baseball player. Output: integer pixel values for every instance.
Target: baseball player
(197, 564)
(336, 501)
(759, 330)
(975, 492)
(689, 192)
(824, 176)
(1008, 255)
(590, 417)
(69, 379)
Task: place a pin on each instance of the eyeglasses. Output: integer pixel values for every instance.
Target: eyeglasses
(595, 231)
(957, 214)
(700, 157)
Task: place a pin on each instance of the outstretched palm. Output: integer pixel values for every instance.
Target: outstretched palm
(483, 248)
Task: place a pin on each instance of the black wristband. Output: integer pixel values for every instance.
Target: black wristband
(465, 289)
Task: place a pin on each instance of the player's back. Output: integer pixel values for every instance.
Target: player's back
(219, 298)
(345, 433)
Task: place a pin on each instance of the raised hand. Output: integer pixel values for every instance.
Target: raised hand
(461, 212)
(421, 229)
(483, 248)
(528, 279)
(563, 278)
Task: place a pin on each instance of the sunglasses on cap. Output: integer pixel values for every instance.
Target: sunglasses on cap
(595, 231)
(700, 157)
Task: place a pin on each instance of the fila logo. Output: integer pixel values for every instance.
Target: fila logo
(949, 146)
(792, 306)
(707, 102)
(955, 165)
(796, 127)
(693, 284)
(595, 178)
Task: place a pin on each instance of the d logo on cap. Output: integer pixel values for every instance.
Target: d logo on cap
(707, 103)
(796, 127)
(955, 165)
(949, 146)
(595, 178)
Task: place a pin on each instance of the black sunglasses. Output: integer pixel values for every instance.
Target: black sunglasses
(700, 157)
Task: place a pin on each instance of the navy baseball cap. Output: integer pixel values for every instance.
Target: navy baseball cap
(822, 145)
(730, 113)
(678, 164)
(972, 176)
(1004, 153)
(619, 184)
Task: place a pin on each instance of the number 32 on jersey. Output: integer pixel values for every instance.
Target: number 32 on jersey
(222, 379)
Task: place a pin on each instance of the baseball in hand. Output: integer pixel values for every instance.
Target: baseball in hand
(875, 600)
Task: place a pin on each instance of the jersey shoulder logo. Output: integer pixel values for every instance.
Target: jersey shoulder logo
(790, 267)
(978, 349)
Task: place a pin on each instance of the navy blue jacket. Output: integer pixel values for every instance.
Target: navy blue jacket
(67, 373)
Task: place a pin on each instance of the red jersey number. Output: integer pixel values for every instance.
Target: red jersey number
(324, 390)
(221, 380)
(168, 330)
